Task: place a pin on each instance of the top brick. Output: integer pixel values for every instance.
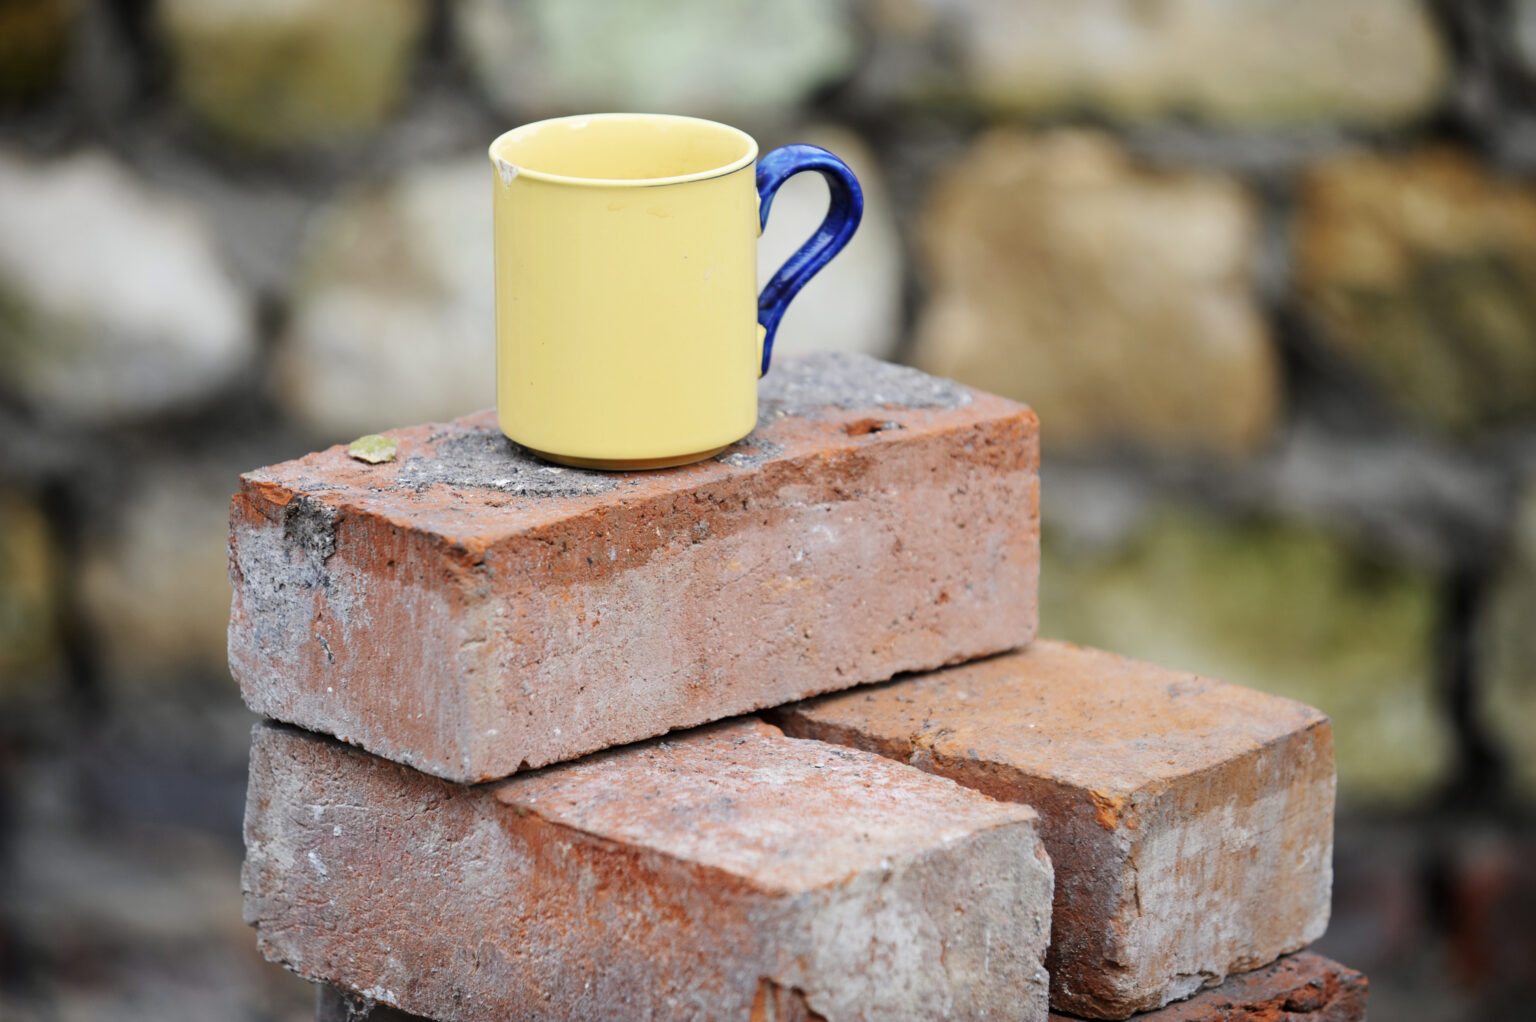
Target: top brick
(471, 611)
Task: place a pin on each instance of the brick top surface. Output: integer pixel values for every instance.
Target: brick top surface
(1080, 716)
(784, 814)
(468, 484)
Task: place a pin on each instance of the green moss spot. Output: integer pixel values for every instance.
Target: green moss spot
(373, 448)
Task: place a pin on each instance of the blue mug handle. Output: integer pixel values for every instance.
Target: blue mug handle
(843, 214)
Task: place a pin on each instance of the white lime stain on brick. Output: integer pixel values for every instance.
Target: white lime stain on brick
(381, 994)
(314, 860)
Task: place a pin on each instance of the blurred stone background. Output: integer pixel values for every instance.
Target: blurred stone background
(1266, 268)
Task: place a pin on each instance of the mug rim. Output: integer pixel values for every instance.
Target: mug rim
(510, 170)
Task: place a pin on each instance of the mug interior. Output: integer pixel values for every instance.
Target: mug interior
(649, 148)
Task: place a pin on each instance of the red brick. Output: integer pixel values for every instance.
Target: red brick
(1303, 987)
(729, 872)
(878, 521)
(1190, 821)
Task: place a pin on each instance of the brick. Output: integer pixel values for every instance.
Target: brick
(1303, 987)
(470, 611)
(729, 872)
(1190, 821)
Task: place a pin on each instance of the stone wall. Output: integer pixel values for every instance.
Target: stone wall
(1266, 269)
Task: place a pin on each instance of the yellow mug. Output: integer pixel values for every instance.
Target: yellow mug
(628, 329)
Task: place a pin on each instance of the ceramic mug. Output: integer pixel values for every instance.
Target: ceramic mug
(629, 333)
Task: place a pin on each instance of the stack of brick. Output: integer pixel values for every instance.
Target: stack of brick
(501, 830)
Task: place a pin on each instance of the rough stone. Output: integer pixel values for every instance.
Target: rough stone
(153, 578)
(1398, 496)
(29, 600)
(1261, 63)
(720, 874)
(855, 303)
(118, 852)
(1303, 987)
(502, 614)
(393, 314)
(1522, 33)
(34, 37)
(292, 72)
(1508, 644)
(1277, 606)
(1420, 270)
(113, 303)
(1117, 301)
(710, 57)
(1190, 822)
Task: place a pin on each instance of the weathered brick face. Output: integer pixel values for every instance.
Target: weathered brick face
(470, 611)
(1190, 821)
(1303, 987)
(730, 872)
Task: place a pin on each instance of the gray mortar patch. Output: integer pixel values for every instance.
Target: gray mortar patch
(310, 525)
(750, 453)
(799, 385)
(485, 459)
(802, 385)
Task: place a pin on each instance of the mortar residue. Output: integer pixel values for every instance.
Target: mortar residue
(485, 459)
(311, 525)
(750, 452)
(799, 386)
(802, 385)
